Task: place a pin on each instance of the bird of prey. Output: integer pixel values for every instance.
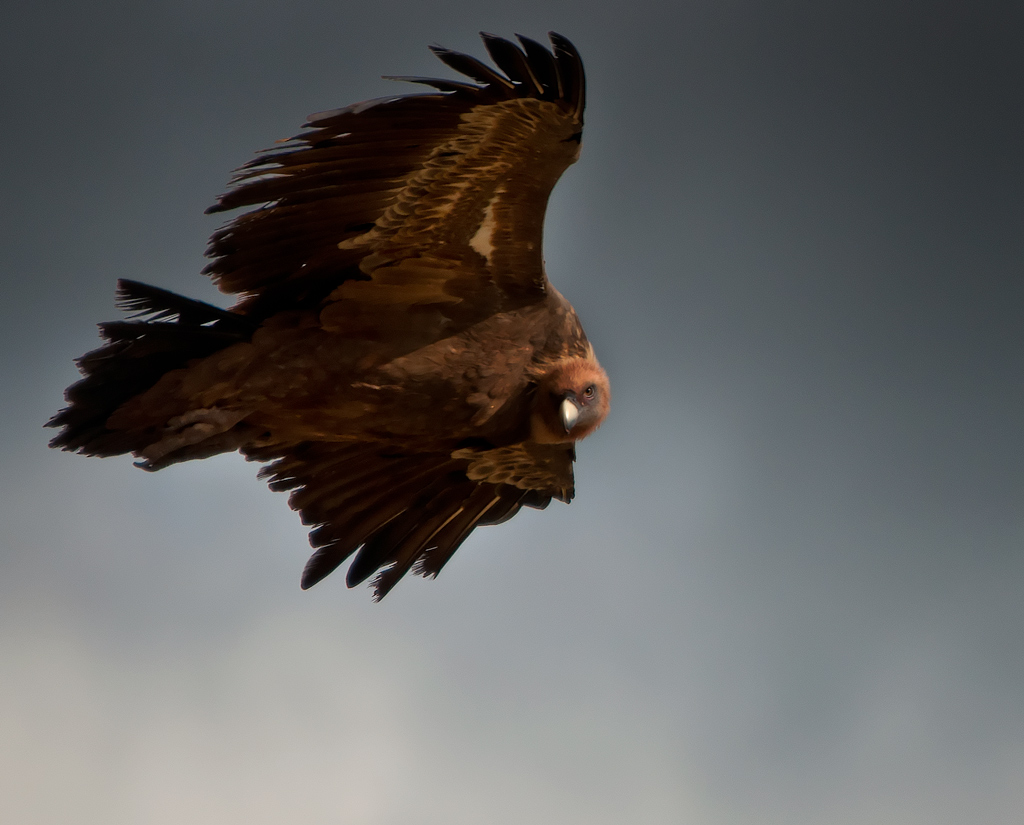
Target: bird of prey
(396, 354)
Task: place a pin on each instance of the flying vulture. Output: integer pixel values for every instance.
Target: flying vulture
(396, 353)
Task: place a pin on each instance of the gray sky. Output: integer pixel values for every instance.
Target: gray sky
(789, 588)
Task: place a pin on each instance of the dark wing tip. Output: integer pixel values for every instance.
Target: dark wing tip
(570, 70)
(313, 573)
(531, 70)
(471, 67)
(542, 63)
(322, 563)
(513, 61)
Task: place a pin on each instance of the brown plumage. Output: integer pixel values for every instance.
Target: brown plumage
(397, 353)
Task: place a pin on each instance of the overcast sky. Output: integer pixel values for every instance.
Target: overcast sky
(789, 589)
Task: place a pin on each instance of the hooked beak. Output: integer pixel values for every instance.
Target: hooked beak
(568, 412)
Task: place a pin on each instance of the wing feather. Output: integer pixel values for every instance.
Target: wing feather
(388, 544)
(570, 72)
(418, 535)
(512, 61)
(471, 67)
(451, 536)
(542, 66)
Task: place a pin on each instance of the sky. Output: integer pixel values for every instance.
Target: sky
(788, 590)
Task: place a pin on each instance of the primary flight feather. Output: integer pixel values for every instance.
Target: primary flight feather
(396, 354)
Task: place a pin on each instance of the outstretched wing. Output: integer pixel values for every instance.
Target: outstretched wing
(421, 200)
(405, 509)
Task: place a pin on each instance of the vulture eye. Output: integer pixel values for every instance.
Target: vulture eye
(589, 392)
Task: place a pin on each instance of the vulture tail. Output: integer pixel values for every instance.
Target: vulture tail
(164, 332)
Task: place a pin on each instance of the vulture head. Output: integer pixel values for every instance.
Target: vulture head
(571, 402)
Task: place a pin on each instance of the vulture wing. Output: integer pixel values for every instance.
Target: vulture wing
(407, 509)
(427, 200)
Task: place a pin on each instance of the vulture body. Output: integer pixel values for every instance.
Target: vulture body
(396, 354)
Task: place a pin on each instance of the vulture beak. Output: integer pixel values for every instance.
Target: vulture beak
(568, 412)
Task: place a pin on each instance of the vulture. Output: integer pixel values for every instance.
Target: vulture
(396, 356)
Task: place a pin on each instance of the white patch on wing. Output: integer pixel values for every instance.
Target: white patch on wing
(483, 241)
